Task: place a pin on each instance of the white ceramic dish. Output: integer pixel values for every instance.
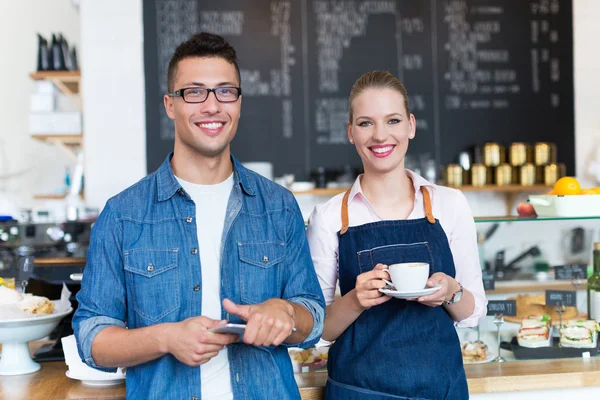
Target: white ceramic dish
(587, 205)
(412, 294)
(95, 382)
(490, 357)
(16, 333)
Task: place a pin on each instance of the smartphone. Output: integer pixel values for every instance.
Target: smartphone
(237, 329)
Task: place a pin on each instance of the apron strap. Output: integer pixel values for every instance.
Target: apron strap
(426, 202)
(345, 222)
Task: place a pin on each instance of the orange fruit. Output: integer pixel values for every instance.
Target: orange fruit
(596, 190)
(588, 191)
(567, 186)
(550, 193)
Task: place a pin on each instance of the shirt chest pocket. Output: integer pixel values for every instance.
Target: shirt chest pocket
(260, 270)
(395, 254)
(153, 282)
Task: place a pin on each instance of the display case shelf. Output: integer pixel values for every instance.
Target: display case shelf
(531, 219)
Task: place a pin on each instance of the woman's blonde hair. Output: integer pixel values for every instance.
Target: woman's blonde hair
(378, 80)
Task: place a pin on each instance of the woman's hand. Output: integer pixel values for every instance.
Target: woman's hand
(368, 285)
(445, 293)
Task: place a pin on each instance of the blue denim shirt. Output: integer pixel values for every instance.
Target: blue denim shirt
(143, 268)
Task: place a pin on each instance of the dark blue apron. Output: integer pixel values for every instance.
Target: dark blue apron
(399, 349)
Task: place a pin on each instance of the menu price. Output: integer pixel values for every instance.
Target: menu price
(570, 272)
(567, 298)
(507, 308)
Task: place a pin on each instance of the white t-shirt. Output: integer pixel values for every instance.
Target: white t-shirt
(211, 205)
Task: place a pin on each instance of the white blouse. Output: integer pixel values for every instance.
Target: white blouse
(449, 206)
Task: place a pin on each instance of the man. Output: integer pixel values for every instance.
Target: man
(200, 242)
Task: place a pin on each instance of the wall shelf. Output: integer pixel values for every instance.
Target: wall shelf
(66, 81)
(64, 142)
(510, 192)
(490, 188)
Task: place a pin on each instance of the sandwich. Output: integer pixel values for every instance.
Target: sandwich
(535, 321)
(474, 351)
(582, 323)
(576, 336)
(36, 305)
(534, 332)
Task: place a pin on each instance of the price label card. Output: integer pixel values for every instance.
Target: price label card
(567, 298)
(570, 272)
(505, 307)
(489, 281)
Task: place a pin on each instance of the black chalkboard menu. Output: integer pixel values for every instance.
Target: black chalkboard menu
(476, 71)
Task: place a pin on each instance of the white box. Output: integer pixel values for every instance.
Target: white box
(43, 102)
(55, 123)
(45, 87)
(584, 205)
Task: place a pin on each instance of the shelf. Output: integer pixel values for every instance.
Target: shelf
(63, 142)
(504, 287)
(490, 188)
(49, 196)
(531, 219)
(66, 81)
(69, 140)
(504, 189)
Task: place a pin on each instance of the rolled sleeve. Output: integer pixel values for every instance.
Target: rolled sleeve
(88, 329)
(318, 314)
(102, 297)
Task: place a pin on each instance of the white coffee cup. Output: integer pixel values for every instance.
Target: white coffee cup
(408, 276)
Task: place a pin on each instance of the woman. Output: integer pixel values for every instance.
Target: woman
(389, 348)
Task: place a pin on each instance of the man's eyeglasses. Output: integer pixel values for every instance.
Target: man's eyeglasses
(199, 94)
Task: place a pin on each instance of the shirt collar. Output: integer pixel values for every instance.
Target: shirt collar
(167, 184)
(417, 181)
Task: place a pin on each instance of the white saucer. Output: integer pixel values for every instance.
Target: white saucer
(410, 294)
(96, 382)
(490, 357)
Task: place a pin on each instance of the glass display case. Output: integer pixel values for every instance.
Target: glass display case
(534, 262)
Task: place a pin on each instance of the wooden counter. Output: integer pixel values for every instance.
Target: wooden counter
(50, 383)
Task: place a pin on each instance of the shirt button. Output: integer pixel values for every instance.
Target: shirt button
(189, 219)
(150, 268)
(194, 398)
(196, 288)
(194, 251)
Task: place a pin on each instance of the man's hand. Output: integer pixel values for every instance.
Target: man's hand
(191, 342)
(267, 324)
(368, 285)
(445, 293)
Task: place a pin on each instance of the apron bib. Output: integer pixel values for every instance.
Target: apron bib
(399, 349)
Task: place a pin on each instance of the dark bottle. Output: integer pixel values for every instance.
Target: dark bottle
(593, 286)
(58, 60)
(43, 62)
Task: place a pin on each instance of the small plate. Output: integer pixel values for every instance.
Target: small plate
(96, 382)
(411, 294)
(490, 357)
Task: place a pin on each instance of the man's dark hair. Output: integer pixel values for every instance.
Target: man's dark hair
(202, 44)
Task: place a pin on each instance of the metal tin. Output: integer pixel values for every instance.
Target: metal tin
(454, 175)
(493, 154)
(481, 175)
(551, 173)
(527, 174)
(544, 153)
(519, 154)
(503, 175)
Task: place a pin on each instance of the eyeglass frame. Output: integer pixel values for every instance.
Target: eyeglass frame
(179, 93)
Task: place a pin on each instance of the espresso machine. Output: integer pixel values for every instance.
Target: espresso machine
(41, 257)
